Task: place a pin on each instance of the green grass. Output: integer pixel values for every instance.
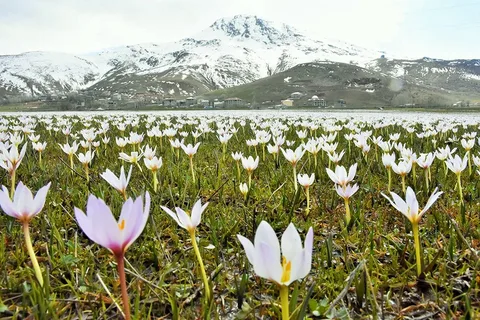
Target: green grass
(163, 276)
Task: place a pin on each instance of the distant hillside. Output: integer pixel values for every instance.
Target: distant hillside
(237, 51)
(334, 81)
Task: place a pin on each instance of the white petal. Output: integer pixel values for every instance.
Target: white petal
(291, 242)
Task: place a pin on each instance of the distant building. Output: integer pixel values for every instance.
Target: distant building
(203, 102)
(233, 102)
(169, 102)
(296, 95)
(287, 103)
(315, 101)
(190, 101)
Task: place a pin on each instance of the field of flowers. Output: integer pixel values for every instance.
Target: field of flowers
(239, 216)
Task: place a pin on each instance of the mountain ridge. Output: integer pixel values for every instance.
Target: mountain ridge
(230, 52)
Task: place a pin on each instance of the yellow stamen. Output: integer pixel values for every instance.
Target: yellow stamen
(287, 268)
(121, 225)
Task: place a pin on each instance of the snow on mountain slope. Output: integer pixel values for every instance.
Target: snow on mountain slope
(232, 51)
(41, 72)
(454, 75)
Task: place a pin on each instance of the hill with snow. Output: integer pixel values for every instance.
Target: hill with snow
(231, 52)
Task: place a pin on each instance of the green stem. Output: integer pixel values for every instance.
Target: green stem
(418, 253)
(284, 302)
(403, 184)
(155, 181)
(123, 285)
(295, 177)
(200, 261)
(31, 253)
(469, 163)
(12, 187)
(347, 211)
(426, 180)
(460, 193)
(389, 179)
(307, 211)
(414, 172)
(238, 170)
(191, 168)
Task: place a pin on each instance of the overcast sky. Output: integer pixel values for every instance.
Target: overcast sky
(416, 28)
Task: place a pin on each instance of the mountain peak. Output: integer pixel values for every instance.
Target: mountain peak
(254, 28)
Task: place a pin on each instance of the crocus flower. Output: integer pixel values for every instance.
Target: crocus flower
(190, 223)
(23, 208)
(306, 181)
(347, 191)
(184, 220)
(190, 151)
(243, 189)
(86, 159)
(101, 227)
(237, 156)
(118, 183)
(153, 165)
(70, 150)
(425, 161)
(409, 208)
(250, 164)
(388, 160)
(292, 263)
(293, 157)
(457, 165)
(402, 169)
(340, 176)
(10, 159)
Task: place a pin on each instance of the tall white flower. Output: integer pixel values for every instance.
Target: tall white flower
(119, 183)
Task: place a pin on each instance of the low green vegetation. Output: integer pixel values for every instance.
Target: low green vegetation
(362, 268)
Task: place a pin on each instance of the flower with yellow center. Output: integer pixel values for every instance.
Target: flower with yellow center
(190, 222)
(283, 267)
(100, 226)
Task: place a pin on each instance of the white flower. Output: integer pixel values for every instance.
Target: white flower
(294, 262)
(249, 163)
(243, 188)
(153, 164)
(457, 164)
(87, 157)
(237, 156)
(305, 180)
(293, 156)
(388, 160)
(183, 219)
(409, 206)
(120, 183)
(347, 191)
(189, 149)
(340, 176)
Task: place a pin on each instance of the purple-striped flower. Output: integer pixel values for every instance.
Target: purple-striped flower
(101, 227)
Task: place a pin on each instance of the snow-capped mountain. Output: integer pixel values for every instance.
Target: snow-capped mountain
(232, 51)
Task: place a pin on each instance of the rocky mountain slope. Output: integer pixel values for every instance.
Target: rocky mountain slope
(231, 52)
(335, 82)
